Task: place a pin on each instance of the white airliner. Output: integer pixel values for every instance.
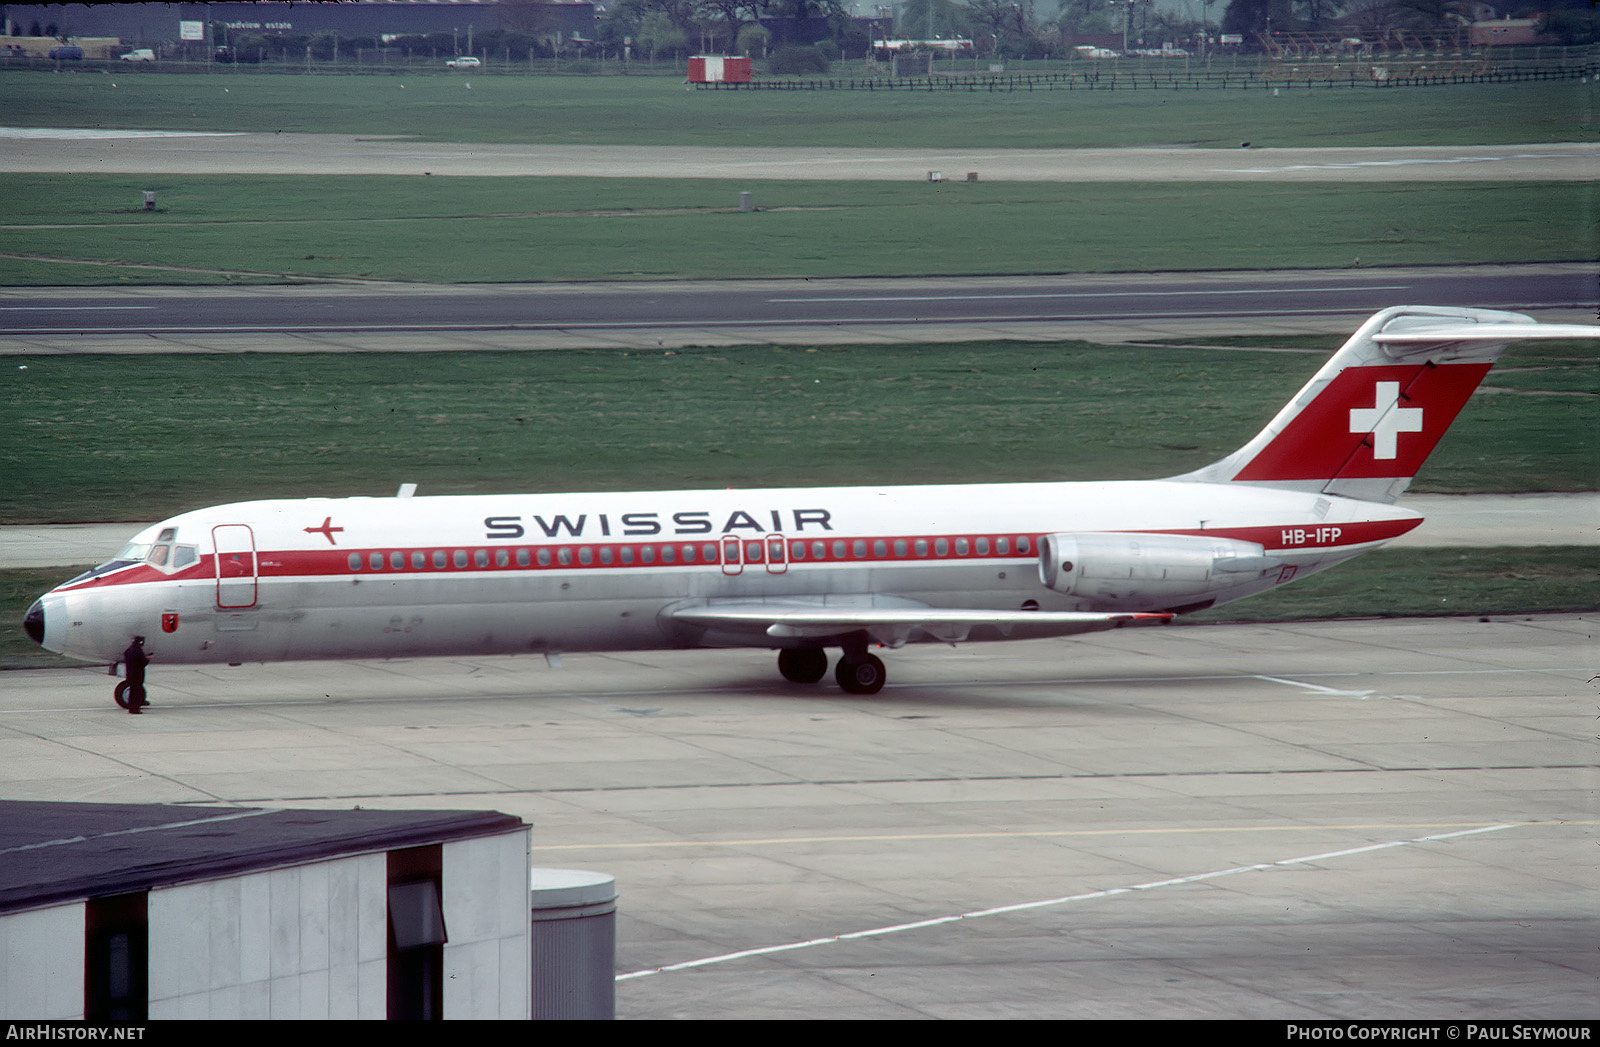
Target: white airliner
(800, 570)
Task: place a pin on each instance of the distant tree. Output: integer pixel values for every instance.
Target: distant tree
(753, 40)
(1431, 16)
(926, 19)
(1317, 15)
(1249, 17)
(797, 61)
(1573, 22)
(657, 33)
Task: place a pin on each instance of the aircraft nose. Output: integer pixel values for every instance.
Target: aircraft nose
(33, 622)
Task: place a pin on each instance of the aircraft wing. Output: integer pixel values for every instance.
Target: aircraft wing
(891, 623)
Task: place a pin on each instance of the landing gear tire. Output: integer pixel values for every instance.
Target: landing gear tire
(864, 675)
(803, 664)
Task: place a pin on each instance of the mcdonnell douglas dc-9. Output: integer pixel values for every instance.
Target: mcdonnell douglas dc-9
(799, 570)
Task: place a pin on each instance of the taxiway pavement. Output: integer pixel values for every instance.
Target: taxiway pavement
(110, 151)
(1341, 820)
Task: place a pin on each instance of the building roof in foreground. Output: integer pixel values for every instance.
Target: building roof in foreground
(52, 853)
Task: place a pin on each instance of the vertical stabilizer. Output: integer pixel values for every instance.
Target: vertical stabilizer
(1362, 427)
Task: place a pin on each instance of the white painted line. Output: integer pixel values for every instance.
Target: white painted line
(936, 921)
(1318, 689)
(94, 134)
(1097, 294)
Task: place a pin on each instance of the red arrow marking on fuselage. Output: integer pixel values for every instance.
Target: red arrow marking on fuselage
(326, 529)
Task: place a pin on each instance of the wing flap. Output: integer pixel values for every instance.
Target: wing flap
(895, 626)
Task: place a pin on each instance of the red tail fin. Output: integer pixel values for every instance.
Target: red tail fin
(1363, 426)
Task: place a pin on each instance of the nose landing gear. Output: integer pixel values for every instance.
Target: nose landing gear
(125, 692)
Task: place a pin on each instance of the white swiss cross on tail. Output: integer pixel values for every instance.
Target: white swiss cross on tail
(1386, 421)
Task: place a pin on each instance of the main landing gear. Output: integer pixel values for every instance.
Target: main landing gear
(857, 673)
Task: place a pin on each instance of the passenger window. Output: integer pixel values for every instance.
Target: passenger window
(1022, 544)
(397, 561)
(544, 557)
(438, 558)
(670, 553)
(460, 558)
(647, 554)
(355, 561)
(983, 546)
(502, 558)
(880, 548)
(481, 558)
(961, 547)
(375, 561)
(941, 547)
(522, 557)
(418, 561)
(564, 556)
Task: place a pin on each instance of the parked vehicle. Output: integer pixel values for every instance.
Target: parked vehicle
(67, 53)
(140, 54)
(466, 62)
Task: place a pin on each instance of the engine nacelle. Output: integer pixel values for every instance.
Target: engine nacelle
(1148, 571)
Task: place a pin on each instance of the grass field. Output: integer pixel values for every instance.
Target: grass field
(138, 438)
(228, 228)
(88, 229)
(441, 106)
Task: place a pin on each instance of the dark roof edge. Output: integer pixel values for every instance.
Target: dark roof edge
(393, 830)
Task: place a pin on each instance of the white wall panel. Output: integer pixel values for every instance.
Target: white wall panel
(41, 964)
(283, 944)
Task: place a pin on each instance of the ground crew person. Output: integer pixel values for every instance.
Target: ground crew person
(136, 658)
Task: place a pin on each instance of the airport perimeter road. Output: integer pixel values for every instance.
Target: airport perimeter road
(1391, 819)
(1109, 308)
(109, 151)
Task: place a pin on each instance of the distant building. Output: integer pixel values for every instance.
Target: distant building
(151, 24)
(1505, 31)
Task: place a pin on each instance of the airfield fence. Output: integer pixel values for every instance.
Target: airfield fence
(1325, 78)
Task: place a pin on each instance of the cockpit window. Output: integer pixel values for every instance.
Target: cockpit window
(184, 555)
(132, 551)
(158, 555)
(105, 568)
(167, 534)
